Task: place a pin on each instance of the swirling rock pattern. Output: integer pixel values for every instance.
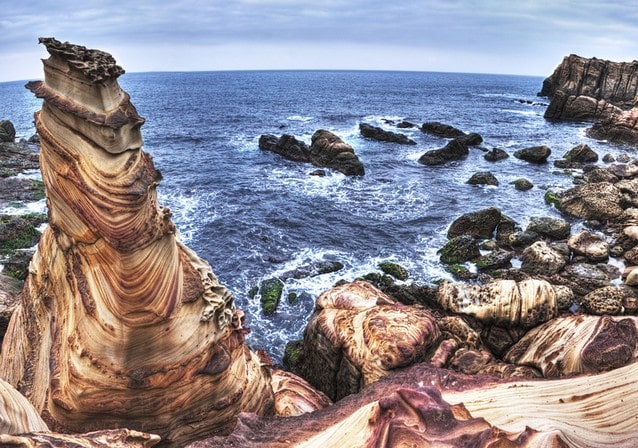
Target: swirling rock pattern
(120, 324)
(357, 334)
(578, 344)
(502, 302)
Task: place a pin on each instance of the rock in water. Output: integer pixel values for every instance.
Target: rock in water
(120, 324)
(328, 150)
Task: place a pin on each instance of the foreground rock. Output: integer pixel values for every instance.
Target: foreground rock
(120, 324)
(377, 133)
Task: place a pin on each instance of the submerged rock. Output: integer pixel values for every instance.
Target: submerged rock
(454, 150)
(522, 184)
(377, 133)
(495, 154)
(483, 178)
(441, 129)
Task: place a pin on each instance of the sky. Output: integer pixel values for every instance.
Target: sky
(476, 36)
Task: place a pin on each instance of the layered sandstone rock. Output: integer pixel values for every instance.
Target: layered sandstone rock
(120, 324)
(585, 89)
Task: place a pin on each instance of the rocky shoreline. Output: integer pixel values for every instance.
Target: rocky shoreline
(538, 330)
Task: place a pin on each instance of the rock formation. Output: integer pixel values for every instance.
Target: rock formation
(585, 89)
(377, 133)
(120, 324)
(326, 150)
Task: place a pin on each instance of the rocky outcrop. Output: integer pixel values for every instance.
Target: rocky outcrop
(534, 154)
(585, 89)
(120, 324)
(441, 129)
(576, 157)
(329, 151)
(287, 146)
(377, 133)
(7, 131)
(479, 224)
(454, 150)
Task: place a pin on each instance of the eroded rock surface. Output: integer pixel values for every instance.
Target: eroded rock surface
(120, 324)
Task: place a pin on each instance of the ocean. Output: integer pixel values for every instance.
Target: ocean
(254, 215)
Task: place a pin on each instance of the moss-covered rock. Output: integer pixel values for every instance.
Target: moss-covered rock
(459, 250)
(395, 270)
(17, 264)
(270, 291)
(17, 232)
(460, 272)
(291, 355)
(522, 184)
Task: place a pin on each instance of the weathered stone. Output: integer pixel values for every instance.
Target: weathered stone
(598, 174)
(459, 249)
(534, 154)
(541, 259)
(497, 259)
(287, 146)
(471, 139)
(553, 228)
(7, 131)
(479, 224)
(394, 269)
(441, 130)
(377, 133)
(454, 150)
(495, 154)
(601, 201)
(522, 184)
(483, 178)
(606, 300)
(328, 150)
(590, 245)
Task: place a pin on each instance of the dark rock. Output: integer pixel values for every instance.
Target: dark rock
(17, 264)
(624, 170)
(459, 249)
(505, 228)
(441, 130)
(582, 154)
(313, 269)
(34, 139)
(497, 259)
(554, 228)
(460, 272)
(609, 158)
(583, 278)
(534, 154)
(328, 150)
(380, 134)
(7, 131)
(522, 184)
(619, 127)
(479, 224)
(405, 125)
(16, 158)
(483, 178)
(319, 173)
(287, 146)
(9, 299)
(454, 150)
(471, 139)
(495, 154)
(598, 174)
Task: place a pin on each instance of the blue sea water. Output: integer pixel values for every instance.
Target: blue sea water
(254, 215)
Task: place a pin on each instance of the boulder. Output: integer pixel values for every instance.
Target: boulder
(7, 131)
(394, 269)
(441, 129)
(270, 291)
(577, 344)
(541, 259)
(286, 146)
(479, 224)
(601, 201)
(607, 300)
(377, 133)
(598, 174)
(522, 184)
(583, 278)
(577, 157)
(497, 259)
(406, 125)
(329, 151)
(590, 245)
(495, 154)
(553, 228)
(459, 249)
(483, 178)
(620, 127)
(454, 150)
(501, 302)
(534, 154)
